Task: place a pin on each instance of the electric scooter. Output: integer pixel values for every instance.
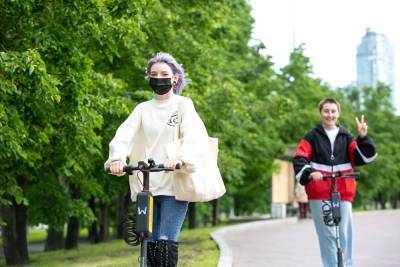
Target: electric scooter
(144, 208)
(331, 212)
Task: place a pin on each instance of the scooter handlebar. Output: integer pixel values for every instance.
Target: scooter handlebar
(177, 167)
(156, 168)
(341, 176)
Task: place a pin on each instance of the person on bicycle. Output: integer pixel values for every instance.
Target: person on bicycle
(143, 135)
(330, 146)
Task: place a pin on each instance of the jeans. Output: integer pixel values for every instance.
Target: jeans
(168, 217)
(327, 234)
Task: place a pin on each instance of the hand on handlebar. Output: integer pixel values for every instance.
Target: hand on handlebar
(316, 176)
(117, 167)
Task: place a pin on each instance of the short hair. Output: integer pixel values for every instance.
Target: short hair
(175, 67)
(328, 100)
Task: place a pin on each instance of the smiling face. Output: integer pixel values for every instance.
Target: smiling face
(329, 115)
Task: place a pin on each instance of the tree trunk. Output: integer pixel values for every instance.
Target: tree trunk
(54, 240)
(72, 238)
(215, 212)
(10, 248)
(395, 197)
(215, 215)
(21, 231)
(382, 201)
(21, 223)
(192, 215)
(93, 233)
(123, 202)
(72, 233)
(119, 216)
(104, 226)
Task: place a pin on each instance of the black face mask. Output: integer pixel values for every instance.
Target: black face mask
(160, 86)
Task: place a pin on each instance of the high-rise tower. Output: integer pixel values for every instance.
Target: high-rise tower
(375, 61)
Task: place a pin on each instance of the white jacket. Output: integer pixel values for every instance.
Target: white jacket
(155, 121)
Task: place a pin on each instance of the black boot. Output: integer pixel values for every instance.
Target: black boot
(166, 253)
(151, 254)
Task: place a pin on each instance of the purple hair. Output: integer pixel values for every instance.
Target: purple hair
(175, 67)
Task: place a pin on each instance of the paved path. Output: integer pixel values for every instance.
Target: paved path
(291, 243)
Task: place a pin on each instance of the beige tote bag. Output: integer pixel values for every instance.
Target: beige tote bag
(205, 183)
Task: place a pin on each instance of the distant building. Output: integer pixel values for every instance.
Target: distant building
(375, 61)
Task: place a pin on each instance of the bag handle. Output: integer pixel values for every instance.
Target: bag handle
(179, 110)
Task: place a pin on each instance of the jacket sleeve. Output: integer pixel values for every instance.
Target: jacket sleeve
(120, 145)
(362, 151)
(301, 161)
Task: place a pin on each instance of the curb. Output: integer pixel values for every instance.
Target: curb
(226, 257)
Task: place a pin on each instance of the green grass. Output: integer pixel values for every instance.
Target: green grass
(36, 235)
(196, 250)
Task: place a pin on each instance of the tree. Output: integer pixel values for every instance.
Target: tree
(28, 99)
(51, 119)
(381, 180)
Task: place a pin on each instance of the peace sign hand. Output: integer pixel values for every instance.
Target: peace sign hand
(362, 127)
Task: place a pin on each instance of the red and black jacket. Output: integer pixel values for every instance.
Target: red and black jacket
(314, 153)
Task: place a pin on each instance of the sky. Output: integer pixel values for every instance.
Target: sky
(331, 31)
